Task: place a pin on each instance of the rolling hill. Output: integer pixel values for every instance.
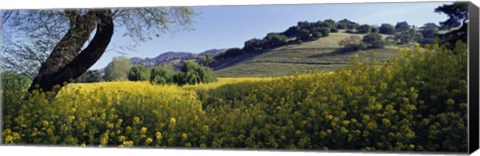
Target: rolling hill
(321, 54)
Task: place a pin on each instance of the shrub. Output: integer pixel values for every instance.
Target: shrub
(118, 69)
(373, 40)
(364, 28)
(193, 73)
(139, 73)
(15, 81)
(352, 43)
(162, 75)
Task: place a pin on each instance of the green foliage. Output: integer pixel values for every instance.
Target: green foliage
(139, 73)
(373, 40)
(402, 26)
(387, 29)
(429, 33)
(352, 43)
(292, 31)
(364, 28)
(273, 40)
(193, 73)
(252, 45)
(408, 36)
(346, 24)
(162, 75)
(232, 52)
(118, 69)
(331, 23)
(15, 81)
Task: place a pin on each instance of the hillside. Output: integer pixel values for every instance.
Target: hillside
(321, 54)
(172, 58)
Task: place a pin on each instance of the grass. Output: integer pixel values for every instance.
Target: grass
(321, 54)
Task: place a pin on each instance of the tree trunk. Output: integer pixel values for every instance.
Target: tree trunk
(66, 62)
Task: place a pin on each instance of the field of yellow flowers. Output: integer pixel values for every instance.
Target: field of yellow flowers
(415, 102)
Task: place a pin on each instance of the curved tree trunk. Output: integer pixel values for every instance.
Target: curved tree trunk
(66, 62)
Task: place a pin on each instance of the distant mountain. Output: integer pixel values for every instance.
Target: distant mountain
(174, 58)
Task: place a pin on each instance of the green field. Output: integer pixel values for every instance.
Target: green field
(321, 54)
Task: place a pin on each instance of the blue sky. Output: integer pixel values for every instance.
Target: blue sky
(230, 26)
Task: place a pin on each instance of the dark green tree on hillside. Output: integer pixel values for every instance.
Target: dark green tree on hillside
(252, 45)
(292, 31)
(273, 40)
(405, 37)
(387, 29)
(364, 28)
(343, 24)
(373, 40)
(330, 22)
(402, 26)
(352, 43)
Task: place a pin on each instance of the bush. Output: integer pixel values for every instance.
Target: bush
(193, 73)
(15, 81)
(387, 29)
(118, 69)
(364, 28)
(352, 43)
(325, 31)
(139, 73)
(162, 75)
(373, 40)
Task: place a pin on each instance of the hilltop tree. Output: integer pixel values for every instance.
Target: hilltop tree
(386, 29)
(364, 28)
(291, 32)
(118, 69)
(274, 40)
(402, 26)
(343, 24)
(252, 45)
(65, 36)
(330, 22)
